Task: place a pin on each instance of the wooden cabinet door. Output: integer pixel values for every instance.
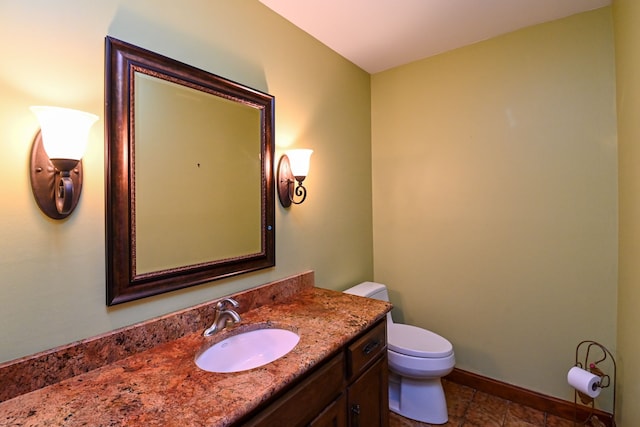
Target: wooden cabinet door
(368, 397)
(302, 403)
(335, 415)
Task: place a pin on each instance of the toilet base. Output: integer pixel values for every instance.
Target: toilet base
(418, 399)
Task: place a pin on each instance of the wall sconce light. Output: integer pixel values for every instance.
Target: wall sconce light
(56, 158)
(293, 167)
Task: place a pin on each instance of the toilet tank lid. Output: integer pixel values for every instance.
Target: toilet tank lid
(414, 341)
(365, 289)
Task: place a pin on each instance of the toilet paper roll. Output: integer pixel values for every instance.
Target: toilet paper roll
(584, 381)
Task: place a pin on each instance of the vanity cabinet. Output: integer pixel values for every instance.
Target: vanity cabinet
(349, 390)
(368, 379)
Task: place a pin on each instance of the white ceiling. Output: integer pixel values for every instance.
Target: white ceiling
(380, 34)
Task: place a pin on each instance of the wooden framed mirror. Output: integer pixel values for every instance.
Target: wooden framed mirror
(189, 175)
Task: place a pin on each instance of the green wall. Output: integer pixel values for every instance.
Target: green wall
(626, 15)
(495, 199)
(52, 273)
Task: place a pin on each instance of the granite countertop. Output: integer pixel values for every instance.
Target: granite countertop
(162, 386)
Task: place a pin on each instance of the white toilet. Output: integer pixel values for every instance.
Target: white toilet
(417, 360)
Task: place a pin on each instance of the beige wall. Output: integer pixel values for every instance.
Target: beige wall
(52, 274)
(495, 201)
(626, 15)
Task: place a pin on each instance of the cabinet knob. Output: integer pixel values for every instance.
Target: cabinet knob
(371, 347)
(355, 415)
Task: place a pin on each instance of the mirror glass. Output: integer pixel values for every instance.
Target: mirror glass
(190, 195)
(203, 153)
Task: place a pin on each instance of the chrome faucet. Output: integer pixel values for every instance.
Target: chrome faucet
(223, 316)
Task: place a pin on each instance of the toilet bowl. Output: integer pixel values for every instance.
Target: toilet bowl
(418, 358)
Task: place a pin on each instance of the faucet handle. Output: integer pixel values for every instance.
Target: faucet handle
(223, 302)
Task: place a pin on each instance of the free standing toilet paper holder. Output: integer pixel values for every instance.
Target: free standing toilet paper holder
(593, 358)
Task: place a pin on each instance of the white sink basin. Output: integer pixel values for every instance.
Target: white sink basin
(247, 350)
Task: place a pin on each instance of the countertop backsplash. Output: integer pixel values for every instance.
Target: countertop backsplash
(48, 367)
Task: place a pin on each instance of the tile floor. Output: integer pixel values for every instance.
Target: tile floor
(471, 408)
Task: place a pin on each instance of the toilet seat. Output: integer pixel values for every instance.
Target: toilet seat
(413, 341)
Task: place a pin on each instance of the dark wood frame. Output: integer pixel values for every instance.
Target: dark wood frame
(121, 61)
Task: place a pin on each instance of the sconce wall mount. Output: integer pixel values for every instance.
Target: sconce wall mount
(47, 186)
(56, 164)
(293, 168)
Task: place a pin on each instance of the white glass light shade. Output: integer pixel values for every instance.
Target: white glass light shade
(299, 161)
(65, 132)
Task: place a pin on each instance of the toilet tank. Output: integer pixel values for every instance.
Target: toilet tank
(369, 290)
